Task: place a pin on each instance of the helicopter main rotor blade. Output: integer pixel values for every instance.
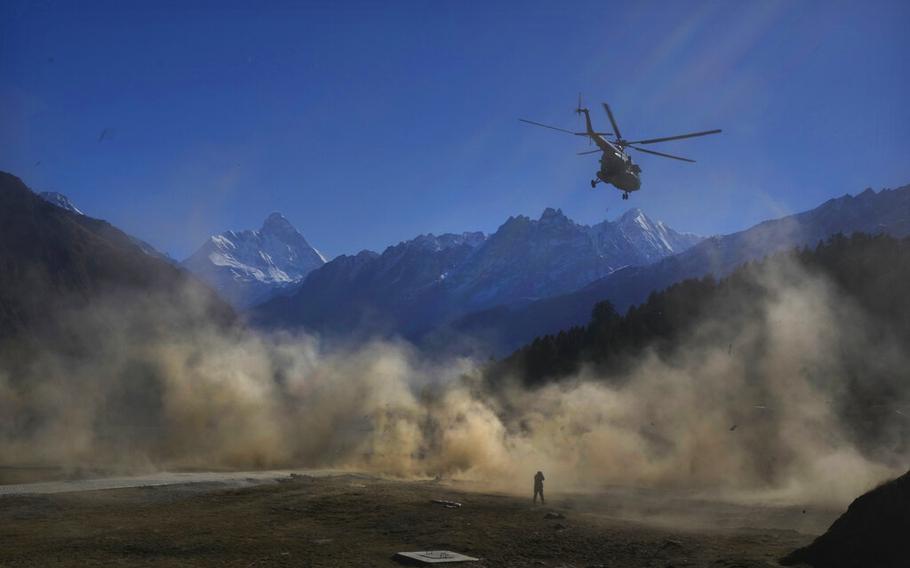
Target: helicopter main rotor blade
(612, 121)
(554, 127)
(662, 154)
(691, 135)
(590, 152)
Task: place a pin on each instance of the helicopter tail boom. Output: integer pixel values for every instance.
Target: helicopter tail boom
(589, 129)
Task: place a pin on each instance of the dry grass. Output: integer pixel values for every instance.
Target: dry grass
(350, 521)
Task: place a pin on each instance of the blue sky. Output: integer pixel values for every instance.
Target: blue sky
(367, 123)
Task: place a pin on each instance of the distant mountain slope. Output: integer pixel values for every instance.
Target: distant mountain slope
(250, 267)
(526, 259)
(54, 261)
(504, 328)
(369, 293)
(415, 285)
(866, 270)
(60, 201)
(63, 202)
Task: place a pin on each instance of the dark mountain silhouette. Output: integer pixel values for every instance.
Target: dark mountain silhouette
(504, 328)
(55, 262)
(62, 201)
(872, 532)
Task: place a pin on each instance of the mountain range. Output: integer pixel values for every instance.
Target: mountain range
(244, 267)
(529, 278)
(416, 285)
(504, 328)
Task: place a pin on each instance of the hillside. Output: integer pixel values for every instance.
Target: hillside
(867, 270)
(836, 317)
(872, 532)
(56, 263)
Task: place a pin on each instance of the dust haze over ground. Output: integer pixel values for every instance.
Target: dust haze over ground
(750, 412)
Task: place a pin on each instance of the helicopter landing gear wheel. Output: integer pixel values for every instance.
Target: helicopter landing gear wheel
(625, 196)
(593, 183)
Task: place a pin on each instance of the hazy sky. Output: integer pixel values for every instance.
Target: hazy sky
(367, 123)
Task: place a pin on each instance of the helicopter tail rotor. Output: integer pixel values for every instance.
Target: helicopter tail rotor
(578, 108)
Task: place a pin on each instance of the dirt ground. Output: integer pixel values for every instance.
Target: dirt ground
(354, 520)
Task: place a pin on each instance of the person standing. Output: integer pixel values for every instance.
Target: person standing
(538, 487)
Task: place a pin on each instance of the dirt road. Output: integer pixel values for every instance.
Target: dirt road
(156, 479)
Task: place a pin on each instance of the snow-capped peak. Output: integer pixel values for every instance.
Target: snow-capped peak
(636, 216)
(276, 223)
(250, 266)
(653, 238)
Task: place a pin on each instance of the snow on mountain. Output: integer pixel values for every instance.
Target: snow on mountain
(375, 294)
(527, 259)
(60, 201)
(249, 267)
(430, 279)
(652, 240)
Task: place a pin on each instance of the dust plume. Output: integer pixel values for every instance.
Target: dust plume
(750, 404)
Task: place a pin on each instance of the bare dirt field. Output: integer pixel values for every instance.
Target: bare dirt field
(356, 520)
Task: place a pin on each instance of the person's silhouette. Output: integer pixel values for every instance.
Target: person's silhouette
(538, 487)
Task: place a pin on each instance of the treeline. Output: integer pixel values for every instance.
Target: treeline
(871, 271)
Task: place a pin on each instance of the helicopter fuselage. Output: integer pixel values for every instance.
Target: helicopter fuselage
(617, 167)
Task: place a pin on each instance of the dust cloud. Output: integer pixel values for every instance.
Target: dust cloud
(751, 410)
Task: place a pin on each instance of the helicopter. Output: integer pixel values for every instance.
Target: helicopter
(616, 166)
